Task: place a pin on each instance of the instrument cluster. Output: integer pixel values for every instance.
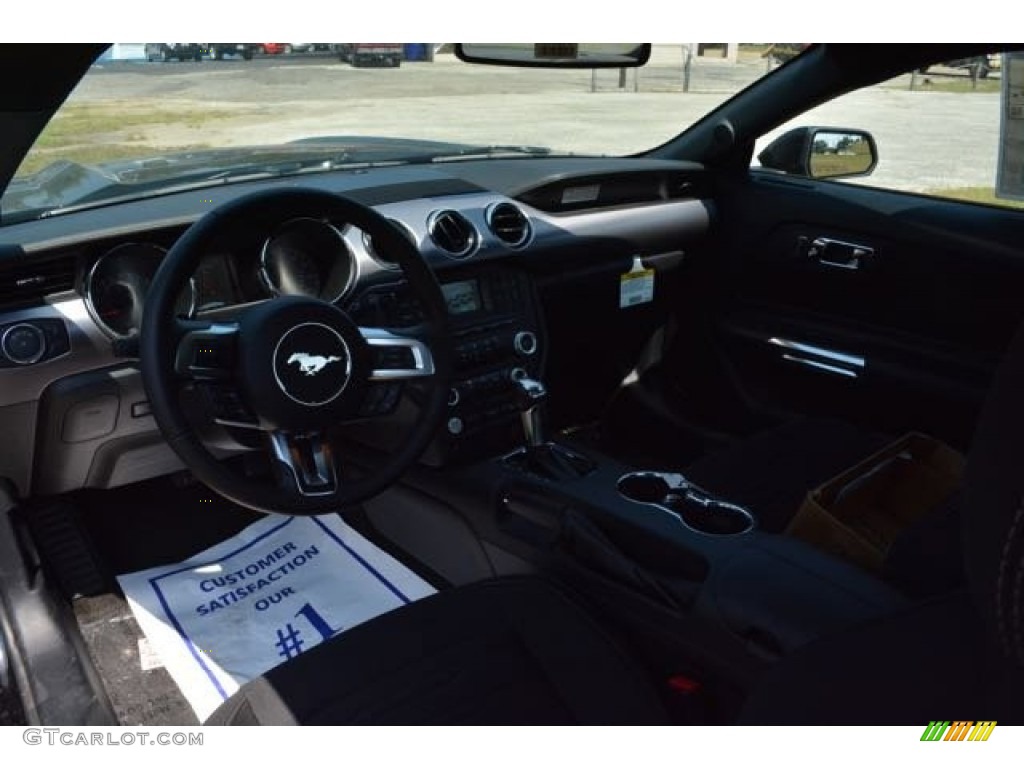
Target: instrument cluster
(302, 257)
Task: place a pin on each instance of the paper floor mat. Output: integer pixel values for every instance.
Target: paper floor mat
(273, 591)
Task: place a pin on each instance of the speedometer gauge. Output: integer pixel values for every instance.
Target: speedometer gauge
(115, 289)
(307, 257)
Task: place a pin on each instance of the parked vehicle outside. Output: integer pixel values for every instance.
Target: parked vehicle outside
(170, 51)
(371, 54)
(220, 50)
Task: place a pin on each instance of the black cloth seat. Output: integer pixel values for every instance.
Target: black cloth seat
(770, 473)
(928, 663)
(507, 651)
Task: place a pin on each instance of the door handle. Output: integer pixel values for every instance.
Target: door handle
(819, 358)
(838, 254)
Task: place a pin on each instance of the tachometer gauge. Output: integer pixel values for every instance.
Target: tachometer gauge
(294, 271)
(118, 306)
(115, 289)
(307, 257)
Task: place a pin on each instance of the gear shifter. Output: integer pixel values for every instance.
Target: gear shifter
(539, 456)
(530, 395)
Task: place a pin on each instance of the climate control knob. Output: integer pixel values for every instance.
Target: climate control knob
(525, 343)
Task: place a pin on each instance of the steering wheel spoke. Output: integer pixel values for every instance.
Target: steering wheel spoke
(304, 463)
(397, 356)
(206, 351)
(227, 406)
(206, 356)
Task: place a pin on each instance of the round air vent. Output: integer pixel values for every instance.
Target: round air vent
(509, 224)
(452, 233)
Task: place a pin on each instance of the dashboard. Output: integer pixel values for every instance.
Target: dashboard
(498, 234)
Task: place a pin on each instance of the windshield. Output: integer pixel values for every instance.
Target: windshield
(149, 118)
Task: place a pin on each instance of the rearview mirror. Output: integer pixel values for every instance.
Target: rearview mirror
(822, 153)
(556, 55)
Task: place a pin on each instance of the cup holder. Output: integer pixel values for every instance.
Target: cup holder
(691, 506)
(707, 515)
(645, 487)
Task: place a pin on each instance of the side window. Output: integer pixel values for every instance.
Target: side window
(952, 130)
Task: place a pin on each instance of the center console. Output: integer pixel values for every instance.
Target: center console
(662, 535)
(498, 339)
(685, 575)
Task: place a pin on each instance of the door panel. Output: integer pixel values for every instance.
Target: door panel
(907, 340)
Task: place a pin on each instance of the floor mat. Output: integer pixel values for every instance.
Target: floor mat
(122, 522)
(276, 589)
(139, 687)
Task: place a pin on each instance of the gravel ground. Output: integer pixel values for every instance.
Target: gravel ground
(926, 139)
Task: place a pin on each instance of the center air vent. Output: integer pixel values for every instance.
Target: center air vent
(29, 282)
(452, 233)
(509, 224)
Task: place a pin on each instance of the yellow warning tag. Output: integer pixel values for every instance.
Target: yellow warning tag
(636, 286)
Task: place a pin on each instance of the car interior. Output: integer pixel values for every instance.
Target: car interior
(587, 399)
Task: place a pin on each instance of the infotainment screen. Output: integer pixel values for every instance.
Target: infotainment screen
(462, 297)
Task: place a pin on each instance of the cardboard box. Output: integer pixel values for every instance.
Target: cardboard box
(858, 515)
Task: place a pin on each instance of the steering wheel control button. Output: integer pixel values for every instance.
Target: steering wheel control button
(212, 354)
(312, 364)
(393, 358)
(208, 354)
(525, 343)
(23, 344)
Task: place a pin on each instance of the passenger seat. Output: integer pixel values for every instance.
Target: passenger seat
(771, 472)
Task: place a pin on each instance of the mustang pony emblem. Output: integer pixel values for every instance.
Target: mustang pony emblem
(311, 364)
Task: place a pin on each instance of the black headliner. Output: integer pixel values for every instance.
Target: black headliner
(57, 68)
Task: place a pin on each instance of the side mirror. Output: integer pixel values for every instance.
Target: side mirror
(821, 153)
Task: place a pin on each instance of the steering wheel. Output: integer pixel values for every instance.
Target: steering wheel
(292, 368)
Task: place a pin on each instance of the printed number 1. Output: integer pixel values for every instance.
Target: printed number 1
(318, 622)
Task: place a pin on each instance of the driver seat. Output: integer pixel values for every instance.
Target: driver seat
(507, 651)
(519, 651)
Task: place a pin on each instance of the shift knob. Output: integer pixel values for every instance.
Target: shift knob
(530, 394)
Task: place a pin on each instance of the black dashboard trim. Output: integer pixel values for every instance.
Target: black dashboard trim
(407, 194)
